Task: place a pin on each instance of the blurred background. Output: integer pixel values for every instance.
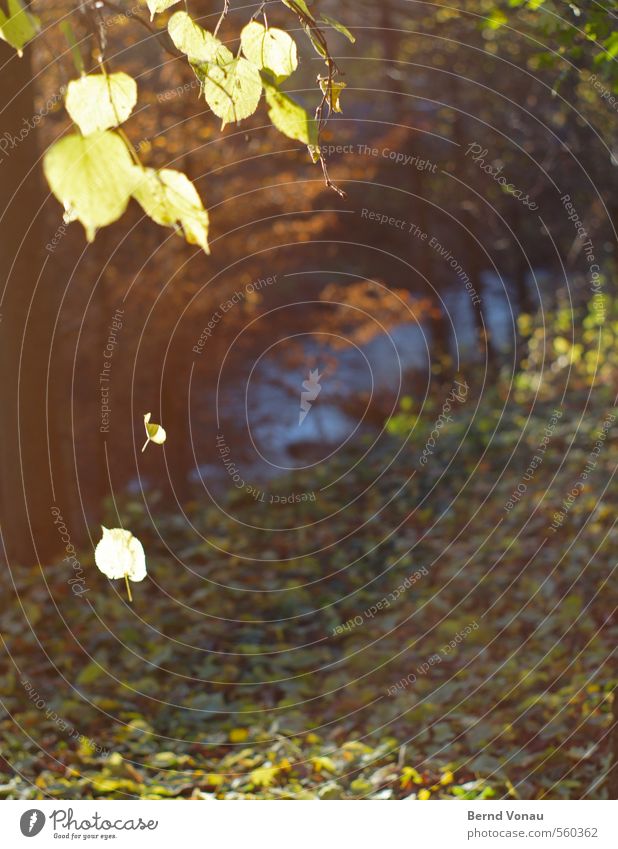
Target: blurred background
(384, 310)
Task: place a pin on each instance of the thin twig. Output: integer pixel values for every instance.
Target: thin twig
(317, 36)
(226, 9)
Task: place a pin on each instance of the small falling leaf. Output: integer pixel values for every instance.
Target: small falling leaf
(154, 432)
(120, 555)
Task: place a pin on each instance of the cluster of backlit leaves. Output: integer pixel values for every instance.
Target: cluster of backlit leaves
(95, 172)
(233, 85)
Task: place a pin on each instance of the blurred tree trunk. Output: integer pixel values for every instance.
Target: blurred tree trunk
(391, 40)
(612, 777)
(28, 312)
(471, 242)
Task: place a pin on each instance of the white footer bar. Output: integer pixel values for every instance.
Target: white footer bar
(307, 825)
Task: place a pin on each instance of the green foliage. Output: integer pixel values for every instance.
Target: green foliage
(96, 187)
(566, 28)
(332, 89)
(99, 102)
(19, 26)
(586, 350)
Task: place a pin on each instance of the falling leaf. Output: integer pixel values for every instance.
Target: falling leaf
(120, 555)
(238, 735)
(154, 432)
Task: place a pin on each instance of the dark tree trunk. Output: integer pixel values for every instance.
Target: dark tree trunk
(612, 777)
(28, 312)
(471, 242)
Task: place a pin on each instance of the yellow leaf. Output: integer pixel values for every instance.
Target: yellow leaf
(170, 199)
